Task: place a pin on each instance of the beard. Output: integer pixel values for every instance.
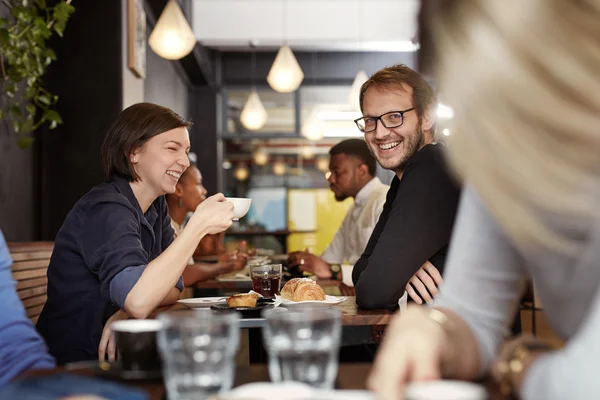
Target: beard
(411, 144)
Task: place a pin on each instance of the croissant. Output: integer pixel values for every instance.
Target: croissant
(302, 289)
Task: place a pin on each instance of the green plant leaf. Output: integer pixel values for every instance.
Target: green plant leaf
(31, 109)
(44, 99)
(15, 111)
(52, 115)
(27, 126)
(24, 45)
(25, 142)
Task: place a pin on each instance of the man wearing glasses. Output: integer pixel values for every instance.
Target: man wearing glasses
(409, 243)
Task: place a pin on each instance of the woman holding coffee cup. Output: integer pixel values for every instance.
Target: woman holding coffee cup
(116, 248)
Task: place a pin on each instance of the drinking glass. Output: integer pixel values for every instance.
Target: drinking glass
(303, 345)
(198, 350)
(266, 279)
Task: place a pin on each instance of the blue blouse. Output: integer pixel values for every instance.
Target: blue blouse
(21, 348)
(99, 254)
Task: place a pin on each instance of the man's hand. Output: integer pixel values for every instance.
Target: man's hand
(424, 283)
(108, 344)
(306, 261)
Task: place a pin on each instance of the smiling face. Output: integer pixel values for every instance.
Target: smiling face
(162, 160)
(393, 147)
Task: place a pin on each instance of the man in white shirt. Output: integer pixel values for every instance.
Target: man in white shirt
(352, 169)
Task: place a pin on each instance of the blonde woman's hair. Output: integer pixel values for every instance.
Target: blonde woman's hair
(523, 77)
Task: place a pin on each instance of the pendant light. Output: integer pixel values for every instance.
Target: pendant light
(172, 37)
(279, 167)
(313, 127)
(241, 173)
(260, 157)
(354, 94)
(254, 115)
(285, 75)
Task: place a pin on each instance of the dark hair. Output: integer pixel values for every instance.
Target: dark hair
(133, 128)
(395, 76)
(356, 148)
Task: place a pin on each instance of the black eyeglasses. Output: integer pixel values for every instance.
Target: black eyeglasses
(392, 119)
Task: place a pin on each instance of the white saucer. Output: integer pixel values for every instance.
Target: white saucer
(202, 302)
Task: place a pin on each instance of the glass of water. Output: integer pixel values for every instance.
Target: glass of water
(198, 350)
(303, 345)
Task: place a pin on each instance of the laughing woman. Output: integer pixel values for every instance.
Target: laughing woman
(116, 248)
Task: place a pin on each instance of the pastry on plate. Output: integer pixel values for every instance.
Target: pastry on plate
(302, 289)
(242, 300)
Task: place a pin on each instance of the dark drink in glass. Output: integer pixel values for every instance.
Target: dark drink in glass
(267, 285)
(266, 279)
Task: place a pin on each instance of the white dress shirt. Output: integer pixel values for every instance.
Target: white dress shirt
(351, 238)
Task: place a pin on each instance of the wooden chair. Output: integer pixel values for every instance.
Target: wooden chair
(30, 263)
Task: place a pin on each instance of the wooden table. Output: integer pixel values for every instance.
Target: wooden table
(350, 377)
(351, 314)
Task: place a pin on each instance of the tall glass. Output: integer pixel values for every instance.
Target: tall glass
(266, 279)
(198, 350)
(303, 345)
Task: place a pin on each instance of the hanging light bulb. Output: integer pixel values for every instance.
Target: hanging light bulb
(354, 94)
(172, 37)
(241, 173)
(279, 167)
(308, 152)
(323, 164)
(285, 75)
(254, 116)
(260, 157)
(313, 128)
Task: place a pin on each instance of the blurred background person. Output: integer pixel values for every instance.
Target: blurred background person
(352, 174)
(527, 111)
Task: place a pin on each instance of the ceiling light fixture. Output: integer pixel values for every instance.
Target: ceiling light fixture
(285, 75)
(172, 37)
(254, 115)
(260, 157)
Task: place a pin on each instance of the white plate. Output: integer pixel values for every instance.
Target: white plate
(274, 391)
(233, 278)
(202, 302)
(293, 391)
(445, 390)
(328, 302)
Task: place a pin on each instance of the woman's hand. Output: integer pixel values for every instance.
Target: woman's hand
(108, 346)
(412, 350)
(213, 215)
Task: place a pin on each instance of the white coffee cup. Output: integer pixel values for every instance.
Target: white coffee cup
(240, 206)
